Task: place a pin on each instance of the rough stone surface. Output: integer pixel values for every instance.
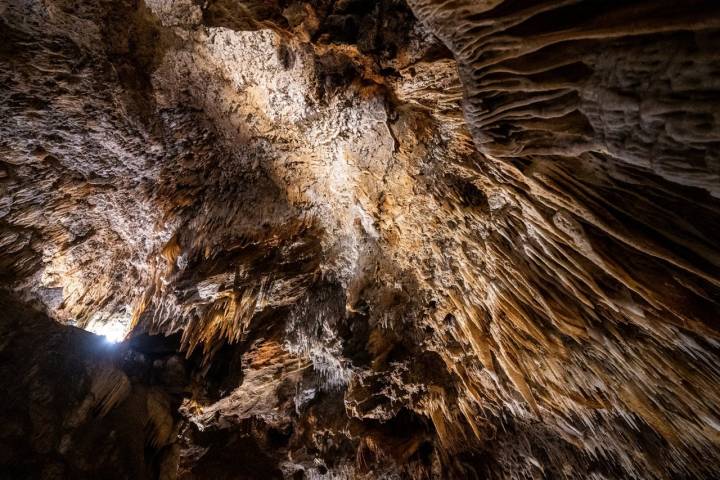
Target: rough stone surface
(350, 239)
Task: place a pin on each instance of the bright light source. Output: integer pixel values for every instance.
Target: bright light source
(113, 333)
(112, 327)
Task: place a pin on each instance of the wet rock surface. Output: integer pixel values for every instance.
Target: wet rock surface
(350, 239)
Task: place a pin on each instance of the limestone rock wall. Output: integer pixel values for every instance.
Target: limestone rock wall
(441, 239)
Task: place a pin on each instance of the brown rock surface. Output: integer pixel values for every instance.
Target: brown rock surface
(356, 239)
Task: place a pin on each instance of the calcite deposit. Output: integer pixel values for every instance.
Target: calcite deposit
(359, 239)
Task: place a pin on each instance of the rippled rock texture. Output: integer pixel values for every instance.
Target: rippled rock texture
(360, 239)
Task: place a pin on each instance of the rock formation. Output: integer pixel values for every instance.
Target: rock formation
(360, 239)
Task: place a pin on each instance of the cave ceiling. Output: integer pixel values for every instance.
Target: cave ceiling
(360, 239)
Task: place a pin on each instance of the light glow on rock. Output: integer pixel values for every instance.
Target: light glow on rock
(113, 333)
(113, 327)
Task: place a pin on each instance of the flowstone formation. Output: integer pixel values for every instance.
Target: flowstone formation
(360, 239)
